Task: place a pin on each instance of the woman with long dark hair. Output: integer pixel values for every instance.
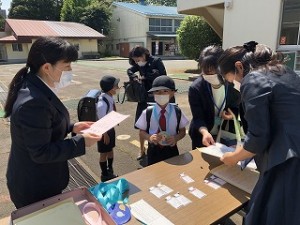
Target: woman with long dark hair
(39, 123)
(271, 99)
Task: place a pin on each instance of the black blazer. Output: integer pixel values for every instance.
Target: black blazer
(154, 68)
(37, 166)
(203, 110)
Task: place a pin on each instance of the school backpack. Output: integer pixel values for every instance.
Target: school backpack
(87, 106)
(149, 113)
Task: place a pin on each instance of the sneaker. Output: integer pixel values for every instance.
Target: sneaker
(140, 156)
(108, 177)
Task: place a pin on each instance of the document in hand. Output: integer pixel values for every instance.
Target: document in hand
(218, 150)
(107, 122)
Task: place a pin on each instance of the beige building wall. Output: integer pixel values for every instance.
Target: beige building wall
(124, 30)
(85, 45)
(16, 56)
(238, 21)
(257, 20)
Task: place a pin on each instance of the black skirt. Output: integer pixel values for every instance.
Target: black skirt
(276, 197)
(102, 148)
(157, 153)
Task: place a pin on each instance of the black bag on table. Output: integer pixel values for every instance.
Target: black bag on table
(135, 91)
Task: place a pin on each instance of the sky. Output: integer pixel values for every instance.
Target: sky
(5, 5)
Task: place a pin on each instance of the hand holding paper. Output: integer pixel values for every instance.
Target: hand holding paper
(107, 122)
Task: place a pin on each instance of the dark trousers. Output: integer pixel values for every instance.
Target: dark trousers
(157, 153)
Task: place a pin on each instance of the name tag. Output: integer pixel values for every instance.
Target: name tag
(218, 120)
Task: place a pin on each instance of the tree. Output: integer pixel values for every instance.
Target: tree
(35, 9)
(163, 2)
(2, 23)
(194, 34)
(67, 11)
(97, 16)
(72, 10)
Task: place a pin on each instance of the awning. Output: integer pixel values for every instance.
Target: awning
(163, 35)
(8, 39)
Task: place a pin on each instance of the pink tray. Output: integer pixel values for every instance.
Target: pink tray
(81, 196)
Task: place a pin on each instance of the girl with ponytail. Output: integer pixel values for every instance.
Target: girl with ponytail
(39, 124)
(271, 100)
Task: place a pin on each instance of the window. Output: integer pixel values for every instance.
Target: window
(162, 25)
(17, 47)
(289, 34)
(177, 24)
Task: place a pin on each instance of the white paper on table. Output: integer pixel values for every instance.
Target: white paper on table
(165, 188)
(173, 201)
(196, 192)
(145, 213)
(157, 191)
(186, 178)
(107, 122)
(214, 182)
(183, 200)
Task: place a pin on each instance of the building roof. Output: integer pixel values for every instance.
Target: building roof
(38, 28)
(10, 38)
(150, 10)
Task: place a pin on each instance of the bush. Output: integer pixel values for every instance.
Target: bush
(194, 34)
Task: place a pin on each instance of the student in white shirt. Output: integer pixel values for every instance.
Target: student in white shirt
(162, 124)
(106, 104)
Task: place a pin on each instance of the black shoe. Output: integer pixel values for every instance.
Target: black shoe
(141, 156)
(108, 177)
(110, 170)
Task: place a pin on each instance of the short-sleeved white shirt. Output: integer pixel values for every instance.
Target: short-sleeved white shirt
(102, 105)
(171, 120)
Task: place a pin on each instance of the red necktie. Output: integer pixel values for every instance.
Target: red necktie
(162, 120)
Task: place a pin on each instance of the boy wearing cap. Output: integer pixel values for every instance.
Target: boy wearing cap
(162, 124)
(106, 104)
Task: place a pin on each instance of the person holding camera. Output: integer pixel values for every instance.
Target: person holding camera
(149, 68)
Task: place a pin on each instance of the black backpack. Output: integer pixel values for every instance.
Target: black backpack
(149, 113)
(87, 106)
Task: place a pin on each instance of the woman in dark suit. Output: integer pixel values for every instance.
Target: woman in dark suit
(37, 166)
(209, 97)
(149, 67)
(271, 100)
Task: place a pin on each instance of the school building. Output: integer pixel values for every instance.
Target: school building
(19, 35)
(275, 23)
(153, 27)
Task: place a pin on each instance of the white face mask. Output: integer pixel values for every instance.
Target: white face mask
(140, 63)
(212, 79)
(65, 79)
(162, 99)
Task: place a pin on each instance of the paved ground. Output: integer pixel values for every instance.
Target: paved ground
(87, 76)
